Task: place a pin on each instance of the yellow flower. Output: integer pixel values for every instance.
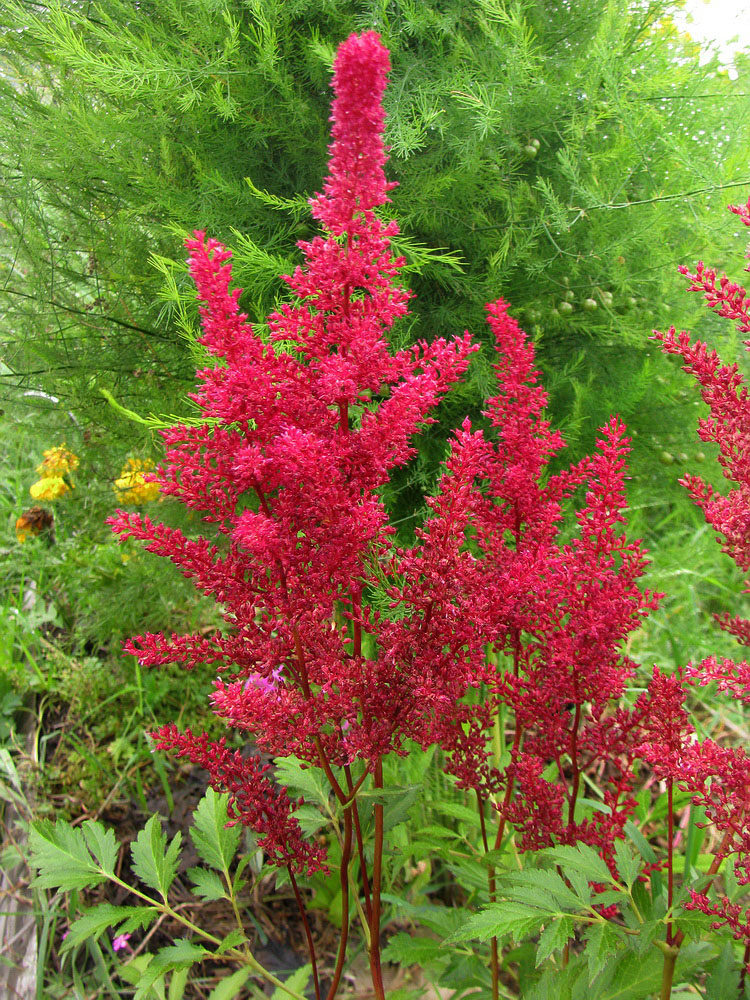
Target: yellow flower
(23, 529)
(57, 462)
(131, 487)
(49, 488)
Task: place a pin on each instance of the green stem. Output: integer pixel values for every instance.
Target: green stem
(245, 958)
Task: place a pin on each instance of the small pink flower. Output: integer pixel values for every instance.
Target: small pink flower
(121, 942)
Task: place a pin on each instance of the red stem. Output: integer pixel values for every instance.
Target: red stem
(346, 853)
(360, 842)
(670, 855)
(308, 932)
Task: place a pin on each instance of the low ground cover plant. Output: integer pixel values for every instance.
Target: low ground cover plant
(596, 840)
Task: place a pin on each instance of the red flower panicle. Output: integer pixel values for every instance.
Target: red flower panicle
(300, 436)
(288, 467)
(719, 776)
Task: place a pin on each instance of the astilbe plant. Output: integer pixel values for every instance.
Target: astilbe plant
(341, 648)
(718, 776)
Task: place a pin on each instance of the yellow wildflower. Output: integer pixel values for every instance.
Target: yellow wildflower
(49, 488)
(131, 486)
(57, 462)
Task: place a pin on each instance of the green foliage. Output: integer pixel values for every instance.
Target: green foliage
(124, 127)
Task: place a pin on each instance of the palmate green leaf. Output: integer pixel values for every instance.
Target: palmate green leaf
(207, 884)
(96, 920)
(307, 781)
(554, 937)
(180, 955)
(153, 862)
(62, 857)
(502, 919)
(215, 842)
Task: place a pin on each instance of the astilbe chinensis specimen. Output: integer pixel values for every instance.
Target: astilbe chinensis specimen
(717, 776)
(339, 647)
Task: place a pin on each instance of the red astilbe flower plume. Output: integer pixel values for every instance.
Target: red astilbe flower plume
(288, 467)
(491, 567)
(724, 390)
(718, 776)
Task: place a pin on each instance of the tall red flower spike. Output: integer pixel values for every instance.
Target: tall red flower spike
(288, 467)
(719, 776)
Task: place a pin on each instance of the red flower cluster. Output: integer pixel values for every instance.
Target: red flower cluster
(719, 776)
(338, 646)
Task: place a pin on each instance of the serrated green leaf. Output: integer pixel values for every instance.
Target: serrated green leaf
(535, 886)
(180, 955)
(102, 844)
(207, 884)
(96, 920)
(232, 940)
(630, 977)
(602, 940)
(305, 780)
(554, 937)
(297, 981)
(581, 858)
(230, 987)
(648, 932)
(724, 978)
(62, 857)
(215, 842)
(501, 919)
(404, 950)
(628, 863)
(153, 862)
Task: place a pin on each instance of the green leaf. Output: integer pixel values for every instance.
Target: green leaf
(207, 884)
(96, 920)
(602, 940)
(177, 983)
(180, 955)
(629, 977)
(232, 940)
(723, 982)
(554, 937)
(102, 844)
(215, 842)
(643, 847)
(230, 987)
(306, 780)
(628, 863)
(581, 858)
(404, 950)
(153, 862)
(297, 981)
(536, 885)
(501, 919)
(62, 857)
